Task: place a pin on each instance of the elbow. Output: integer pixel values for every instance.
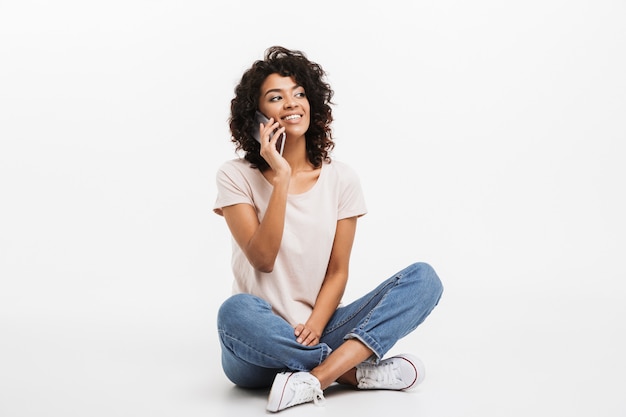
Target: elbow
(263, 265)
(265, 268)
(262, 261)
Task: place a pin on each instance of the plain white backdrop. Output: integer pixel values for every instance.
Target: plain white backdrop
(490, 140)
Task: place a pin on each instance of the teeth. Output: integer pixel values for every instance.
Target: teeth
(293, 116)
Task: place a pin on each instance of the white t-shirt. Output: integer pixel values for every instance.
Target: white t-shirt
(310, 224)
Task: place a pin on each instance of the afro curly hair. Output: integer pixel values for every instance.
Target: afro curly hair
(309, 75)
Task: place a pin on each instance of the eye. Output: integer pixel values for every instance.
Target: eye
(275, 98)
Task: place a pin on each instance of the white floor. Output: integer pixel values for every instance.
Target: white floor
(506, 356)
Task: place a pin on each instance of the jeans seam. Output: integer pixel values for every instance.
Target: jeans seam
(392, 282)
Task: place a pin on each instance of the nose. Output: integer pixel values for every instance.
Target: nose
(290, 102)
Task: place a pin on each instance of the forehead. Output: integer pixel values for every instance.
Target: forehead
(278, 82)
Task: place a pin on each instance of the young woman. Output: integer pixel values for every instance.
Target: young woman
(292, 213)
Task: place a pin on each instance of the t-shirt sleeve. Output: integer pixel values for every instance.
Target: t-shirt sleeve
(352, 200)
(232, 188)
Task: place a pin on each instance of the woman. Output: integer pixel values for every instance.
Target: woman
(292, 213)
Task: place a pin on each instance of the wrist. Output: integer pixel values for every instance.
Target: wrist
(281, 178)
(315, 327)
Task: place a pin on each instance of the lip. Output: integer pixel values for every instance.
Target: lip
(295, 120)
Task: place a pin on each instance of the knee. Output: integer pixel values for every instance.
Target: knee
(427, 279)
(240, 307)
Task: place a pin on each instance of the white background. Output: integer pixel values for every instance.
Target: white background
(490, 141)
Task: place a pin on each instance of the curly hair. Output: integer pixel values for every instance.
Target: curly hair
(309, 75)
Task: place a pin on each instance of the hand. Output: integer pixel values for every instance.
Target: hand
(270, 133)
(306, 336)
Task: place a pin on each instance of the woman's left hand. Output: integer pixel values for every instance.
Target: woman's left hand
(306, 335)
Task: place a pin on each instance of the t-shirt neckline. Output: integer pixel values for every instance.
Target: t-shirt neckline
(302, 194)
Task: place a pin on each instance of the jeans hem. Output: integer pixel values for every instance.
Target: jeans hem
(368, 341)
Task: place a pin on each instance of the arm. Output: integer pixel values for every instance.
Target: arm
(260, 241)
(333, 286)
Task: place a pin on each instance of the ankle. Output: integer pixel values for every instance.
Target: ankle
(324, 382)
(349, 378)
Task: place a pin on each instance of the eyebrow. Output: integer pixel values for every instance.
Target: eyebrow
(279, 90)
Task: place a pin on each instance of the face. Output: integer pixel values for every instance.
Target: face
(285, 101)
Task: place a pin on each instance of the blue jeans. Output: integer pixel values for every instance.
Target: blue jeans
(257, 344)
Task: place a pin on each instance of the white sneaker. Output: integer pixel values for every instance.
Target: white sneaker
(402, 372)
(293, 388)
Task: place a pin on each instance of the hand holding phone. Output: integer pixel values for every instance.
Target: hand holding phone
(260, 118)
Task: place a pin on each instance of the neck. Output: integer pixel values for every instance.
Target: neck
(295, 154)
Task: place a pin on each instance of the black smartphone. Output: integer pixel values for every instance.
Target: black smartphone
(260, 118)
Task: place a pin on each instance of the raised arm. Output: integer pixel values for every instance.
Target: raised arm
(259, 241)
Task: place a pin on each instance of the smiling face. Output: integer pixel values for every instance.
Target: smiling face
(285, 101)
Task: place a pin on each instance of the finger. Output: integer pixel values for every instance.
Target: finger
(310, 340)
(271, 126)
(265, 129)
(276, 135)
(304, 335)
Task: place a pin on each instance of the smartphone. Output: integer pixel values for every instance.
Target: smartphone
(260, 118)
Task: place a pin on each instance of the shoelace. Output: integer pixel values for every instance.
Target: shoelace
(305, 392)
(373, 376)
